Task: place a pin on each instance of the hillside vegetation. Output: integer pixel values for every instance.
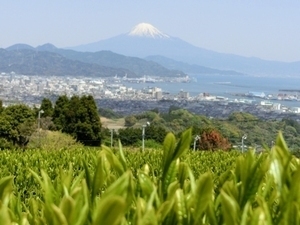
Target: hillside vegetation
(21, 126)
(49, 175)
(259, 132)
(169, 186)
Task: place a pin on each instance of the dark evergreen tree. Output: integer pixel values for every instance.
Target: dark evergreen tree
(78, 117)
(72, 115)
(89, 122)
(47, 107)
(59, 112)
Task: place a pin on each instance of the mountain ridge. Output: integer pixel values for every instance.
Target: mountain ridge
(110, 63)
(44, 63)
(179, 50)
(188, 68)
(138, 66)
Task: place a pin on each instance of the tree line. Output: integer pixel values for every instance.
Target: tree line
(214, 133)
(79, 117)
(76, 116)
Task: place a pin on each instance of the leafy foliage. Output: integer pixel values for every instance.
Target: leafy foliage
(132, 136)
(78, 116)
(172, 186)
(47, 108)
(17, 123)
(212, 139)
(130, 121)
(52, 141)
(259, 132)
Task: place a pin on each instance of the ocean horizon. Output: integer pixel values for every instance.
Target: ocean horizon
(228, 85)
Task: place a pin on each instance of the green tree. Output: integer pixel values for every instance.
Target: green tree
(130, 121)
(5, 128)
(91, 120)
(78, 117)
(293, 123)
(156, 133)
(47, 107)
(59, 112)
(17, 123)
(130, 136)
(173, 108)
(73, 113)
(242, 117)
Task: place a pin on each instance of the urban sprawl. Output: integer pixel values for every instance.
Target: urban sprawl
(115, 93)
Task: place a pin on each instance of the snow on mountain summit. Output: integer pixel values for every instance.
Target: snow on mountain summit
(147, 30)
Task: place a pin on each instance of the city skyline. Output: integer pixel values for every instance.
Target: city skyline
(263, 29)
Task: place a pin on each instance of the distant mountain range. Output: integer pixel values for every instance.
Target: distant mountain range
(143, 51)
(49, 60)
(188, 68)
(34, 62)
(144, 40)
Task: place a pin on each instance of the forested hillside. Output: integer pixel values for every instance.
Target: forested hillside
(79, 117)
(259, 132)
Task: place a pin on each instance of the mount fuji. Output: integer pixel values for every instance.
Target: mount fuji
(145, 40)
(147, 30)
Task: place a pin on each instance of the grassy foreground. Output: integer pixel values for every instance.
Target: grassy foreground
(172, 186)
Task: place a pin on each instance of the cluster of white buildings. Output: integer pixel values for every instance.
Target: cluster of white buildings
(27, 89)
(30, 89)
(278, 107)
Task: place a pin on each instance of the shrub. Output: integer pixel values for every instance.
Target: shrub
(4, 144)
(53, 140)
(212, 139)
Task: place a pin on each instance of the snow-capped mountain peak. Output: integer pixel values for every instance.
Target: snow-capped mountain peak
(147, 30)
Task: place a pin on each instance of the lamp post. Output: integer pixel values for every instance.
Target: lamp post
(111, 137)
(143, 134)
(243, 138)
(39, 125)
(39, 118)
(195, 140)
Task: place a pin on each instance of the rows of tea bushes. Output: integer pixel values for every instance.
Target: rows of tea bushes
(18, 163)
(171, 186)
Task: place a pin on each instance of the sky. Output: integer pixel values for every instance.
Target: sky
(268, 29)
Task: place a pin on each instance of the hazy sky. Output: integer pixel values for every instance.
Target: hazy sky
(268, 29)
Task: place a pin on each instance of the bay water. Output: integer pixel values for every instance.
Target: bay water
(229, 85)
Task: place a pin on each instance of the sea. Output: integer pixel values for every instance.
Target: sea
(230, 86)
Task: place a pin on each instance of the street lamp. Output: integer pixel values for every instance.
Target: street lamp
(39, 125)
(195, 140)
(111, 137)
(39, 118)
(243, 138)
(143, 134)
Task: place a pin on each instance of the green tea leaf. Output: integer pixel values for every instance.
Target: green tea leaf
(110, 211)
